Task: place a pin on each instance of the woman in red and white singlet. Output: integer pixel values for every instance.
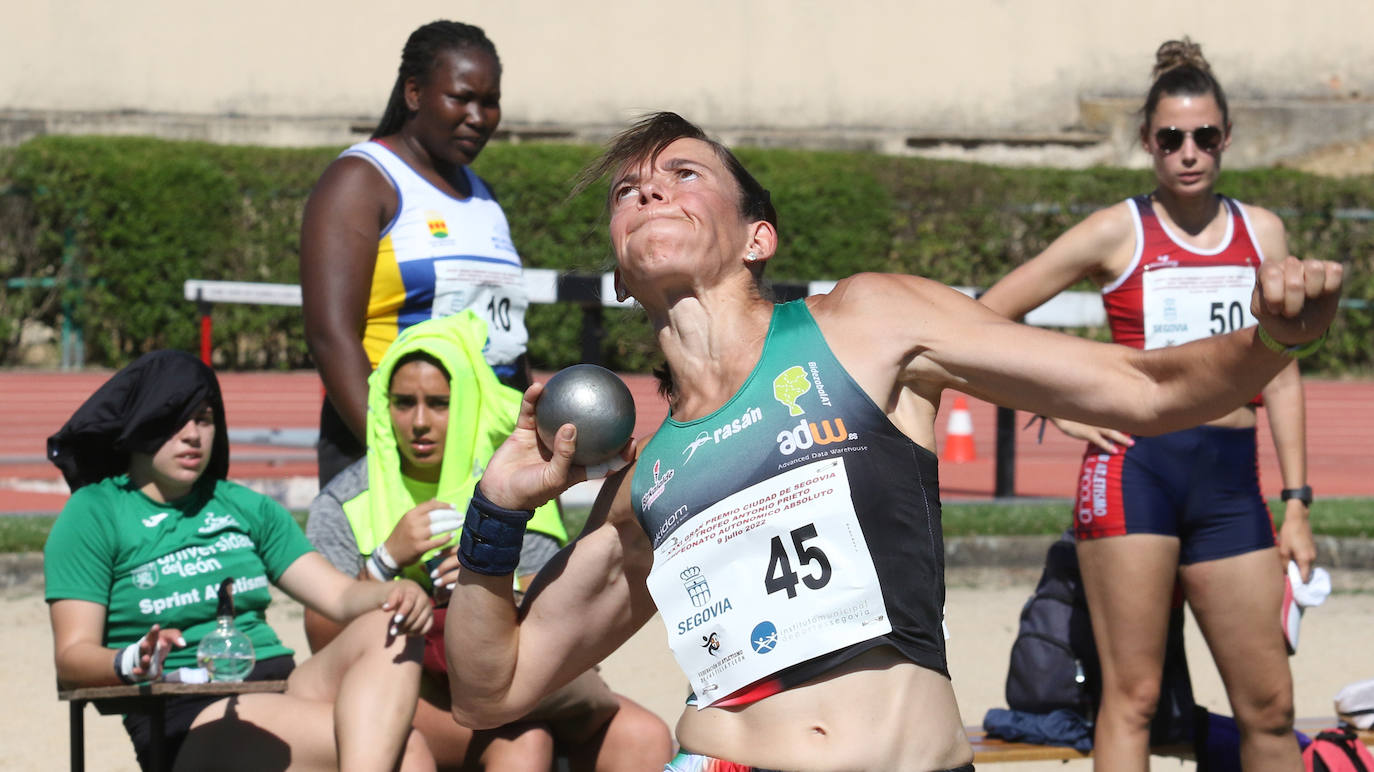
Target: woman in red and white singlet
(1174, 266)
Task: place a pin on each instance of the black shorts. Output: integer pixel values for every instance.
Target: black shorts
(338, 447)
(180, 712)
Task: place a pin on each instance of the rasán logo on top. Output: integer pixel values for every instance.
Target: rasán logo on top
(725, 431)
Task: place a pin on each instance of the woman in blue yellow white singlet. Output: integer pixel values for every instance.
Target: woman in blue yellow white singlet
(399, 230)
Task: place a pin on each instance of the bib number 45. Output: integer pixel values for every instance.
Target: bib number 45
(780, 577)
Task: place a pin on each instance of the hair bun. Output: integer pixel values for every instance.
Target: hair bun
(1173, 54)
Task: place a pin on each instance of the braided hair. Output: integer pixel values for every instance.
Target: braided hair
(1181, 70)
(422, 49)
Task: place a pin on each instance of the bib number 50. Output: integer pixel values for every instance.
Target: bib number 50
(1227, 318)
(781, 578)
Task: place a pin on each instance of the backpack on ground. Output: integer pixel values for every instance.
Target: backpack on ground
(1337, 750)
(1053, 660)
(1054, 663)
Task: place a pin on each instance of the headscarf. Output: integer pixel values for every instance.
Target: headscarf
(481, 414)
(137, 411)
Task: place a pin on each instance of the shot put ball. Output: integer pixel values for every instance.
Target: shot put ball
(594, 400)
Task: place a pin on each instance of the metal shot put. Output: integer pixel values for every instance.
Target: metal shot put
(594, 400)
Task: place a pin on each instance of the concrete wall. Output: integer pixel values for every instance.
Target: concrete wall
(914, 67)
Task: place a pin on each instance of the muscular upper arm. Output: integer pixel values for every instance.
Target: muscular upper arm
(592, 596)
(340, 229)
(934, 338)
(1097, 248)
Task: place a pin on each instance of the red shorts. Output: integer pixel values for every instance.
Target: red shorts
(574, 711)
(435, 662)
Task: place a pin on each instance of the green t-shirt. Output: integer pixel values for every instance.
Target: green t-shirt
(147, 562)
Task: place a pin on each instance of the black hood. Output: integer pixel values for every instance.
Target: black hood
(137, 410)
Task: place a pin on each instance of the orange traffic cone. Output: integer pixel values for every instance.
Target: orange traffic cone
(959, 434)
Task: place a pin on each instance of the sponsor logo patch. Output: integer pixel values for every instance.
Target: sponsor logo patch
(789, 386)
(826, 431)
(214, 522)
(695, 584)
(437, 227)
(724, 431)
(764, 638)
(145, 576)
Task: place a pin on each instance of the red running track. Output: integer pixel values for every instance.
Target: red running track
(35, 404)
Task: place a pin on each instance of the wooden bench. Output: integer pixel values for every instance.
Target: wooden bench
(149, 699)
(991, 750)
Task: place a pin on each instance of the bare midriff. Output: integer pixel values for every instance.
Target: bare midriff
(877, 712)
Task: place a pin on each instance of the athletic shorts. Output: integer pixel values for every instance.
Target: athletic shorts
(180, 712)
(1200, 485)
(685, 761)
(337, 447)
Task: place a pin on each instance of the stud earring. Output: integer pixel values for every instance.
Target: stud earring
(751, 257)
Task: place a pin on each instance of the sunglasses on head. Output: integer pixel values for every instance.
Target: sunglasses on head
(1207, 138)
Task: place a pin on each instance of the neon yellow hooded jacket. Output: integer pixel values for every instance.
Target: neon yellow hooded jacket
(482, 413)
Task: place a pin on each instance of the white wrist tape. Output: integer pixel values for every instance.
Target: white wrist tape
(444, 520)
(381, 565)
(125, 661)
(155, 662)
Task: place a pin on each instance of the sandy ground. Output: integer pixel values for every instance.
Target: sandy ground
(983, 610)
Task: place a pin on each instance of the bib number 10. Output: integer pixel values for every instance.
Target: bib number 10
(780, 576)
(499, 311)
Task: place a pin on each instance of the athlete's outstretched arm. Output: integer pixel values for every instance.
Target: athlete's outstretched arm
(953, 342)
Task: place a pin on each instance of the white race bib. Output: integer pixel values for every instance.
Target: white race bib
(774, 575)
(1187, 303)
(494, 291)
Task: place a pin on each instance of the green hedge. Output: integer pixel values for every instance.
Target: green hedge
(139, 216)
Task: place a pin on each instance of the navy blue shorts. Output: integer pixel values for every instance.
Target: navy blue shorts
(1200, 485)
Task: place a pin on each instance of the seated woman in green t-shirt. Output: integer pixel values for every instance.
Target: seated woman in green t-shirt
(134, 564)
(435, 413)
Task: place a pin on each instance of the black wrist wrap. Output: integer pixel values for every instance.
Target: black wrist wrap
(492, 536)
